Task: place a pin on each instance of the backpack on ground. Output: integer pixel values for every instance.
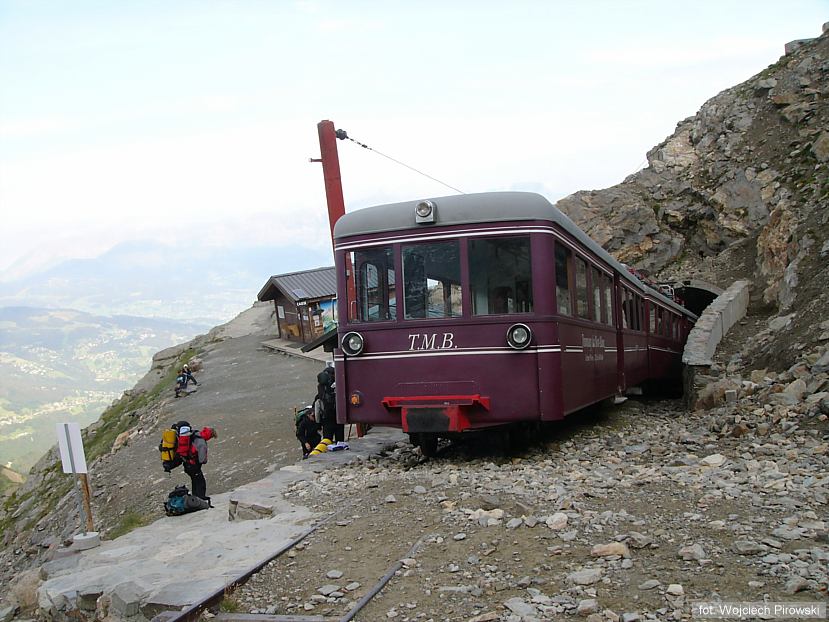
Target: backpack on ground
(176, 501)
(180, 501)
(193, 503)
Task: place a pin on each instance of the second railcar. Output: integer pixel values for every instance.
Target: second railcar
(466, 312)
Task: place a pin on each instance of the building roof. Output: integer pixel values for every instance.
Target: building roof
(304, 285)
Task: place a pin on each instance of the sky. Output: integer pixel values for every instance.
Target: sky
(195, 120)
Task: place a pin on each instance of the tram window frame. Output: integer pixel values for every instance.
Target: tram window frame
(383, 295)
(651, 318)
(429, 270)
(582, 291)
(495, 287)
(563, 259)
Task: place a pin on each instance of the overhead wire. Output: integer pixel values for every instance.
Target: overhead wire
(342, 135)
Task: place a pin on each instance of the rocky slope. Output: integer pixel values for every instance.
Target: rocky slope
(739, 190)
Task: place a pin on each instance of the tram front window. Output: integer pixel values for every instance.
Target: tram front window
(501, 275)
(373, 297)
(432, 280)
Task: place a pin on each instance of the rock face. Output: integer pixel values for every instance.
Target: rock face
(751, 169)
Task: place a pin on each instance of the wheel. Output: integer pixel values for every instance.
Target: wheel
(428, 444)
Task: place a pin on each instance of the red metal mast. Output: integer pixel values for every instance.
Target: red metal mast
(330, 160)
(331, 172)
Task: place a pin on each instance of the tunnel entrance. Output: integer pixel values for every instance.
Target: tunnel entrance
(696, 295)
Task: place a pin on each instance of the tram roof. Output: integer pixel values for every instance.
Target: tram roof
(485, 207)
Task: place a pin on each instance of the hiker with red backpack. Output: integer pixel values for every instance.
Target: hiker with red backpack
(194, 455)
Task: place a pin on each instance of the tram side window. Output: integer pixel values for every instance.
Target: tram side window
(632, 306)
(581, 288)
(596, 286)
(432, 280)
(640, 313)
(500, 273)
(564, 259)
(373, 299)
(608, 299)
(634, 311)
(624, 297)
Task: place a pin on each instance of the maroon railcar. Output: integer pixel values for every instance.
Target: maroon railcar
(466, 312)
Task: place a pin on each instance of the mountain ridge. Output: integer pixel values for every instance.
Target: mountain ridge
(144, 278)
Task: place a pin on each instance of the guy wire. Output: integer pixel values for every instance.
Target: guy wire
(342, 134)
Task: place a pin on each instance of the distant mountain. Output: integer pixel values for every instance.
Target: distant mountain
(63, 365)
(147, 279)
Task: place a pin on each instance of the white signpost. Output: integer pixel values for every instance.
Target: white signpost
(71, 448)
(73, 459)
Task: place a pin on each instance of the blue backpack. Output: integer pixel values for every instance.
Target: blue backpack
(174, 506)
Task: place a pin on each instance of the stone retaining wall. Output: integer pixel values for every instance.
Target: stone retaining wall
(714, 323)
(717, 319)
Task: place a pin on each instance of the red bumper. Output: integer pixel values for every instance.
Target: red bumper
(430, 414)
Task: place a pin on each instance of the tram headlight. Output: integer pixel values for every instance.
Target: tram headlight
(353, 344)
(425, 212)
(519, 336)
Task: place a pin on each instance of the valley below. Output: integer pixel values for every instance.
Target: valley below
(62, 365)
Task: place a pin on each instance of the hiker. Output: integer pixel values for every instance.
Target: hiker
(307, 430)
(181, 383)
(196, 457)
(188, 375)
(326, 393)
(184, 377)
